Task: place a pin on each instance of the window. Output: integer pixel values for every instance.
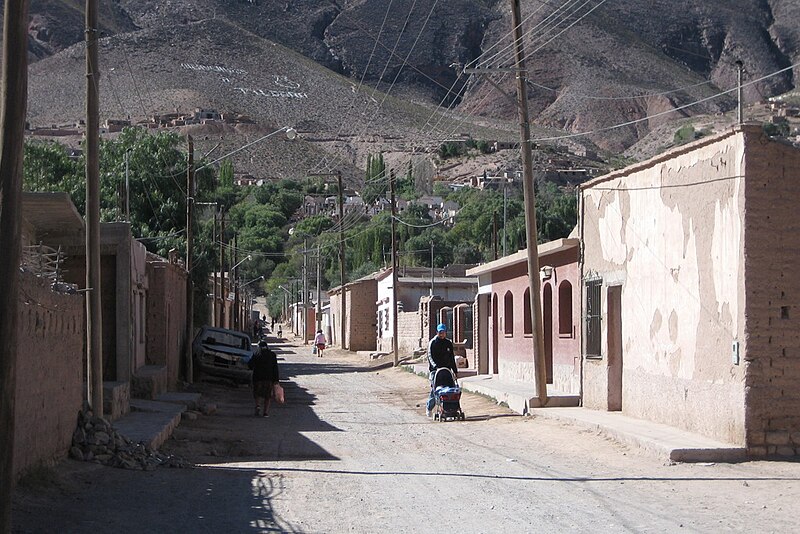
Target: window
(565, 309)
(593, 315)
(527, 324)
(508, 314)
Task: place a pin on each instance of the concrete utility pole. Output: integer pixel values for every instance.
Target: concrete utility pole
(127, 186)
(12, 124)
(432, 268)
(94, 313)
(189, 263)
(531, 232)
(494, 234)
(234, 272)
(395, 333)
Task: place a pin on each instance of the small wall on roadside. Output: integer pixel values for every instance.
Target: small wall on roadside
(49, 385)
(166, 316)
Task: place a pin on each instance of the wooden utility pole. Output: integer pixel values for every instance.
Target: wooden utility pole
(215, 290)
(12, 122)
(234, 280)
(531, 232)
(394, 269)
(189, 263)
(94, 313)
(223, 295)
(342, 278)
(305, 292)
(318, 311)
(494, 234)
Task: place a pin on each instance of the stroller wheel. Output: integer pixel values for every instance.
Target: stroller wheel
(463, 417)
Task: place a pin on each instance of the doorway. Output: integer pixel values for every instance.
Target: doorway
(547, 330)
(615, 348)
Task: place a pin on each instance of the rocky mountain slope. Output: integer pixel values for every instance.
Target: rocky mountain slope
(593, 64)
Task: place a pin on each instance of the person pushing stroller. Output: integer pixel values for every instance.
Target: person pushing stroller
(440, 355)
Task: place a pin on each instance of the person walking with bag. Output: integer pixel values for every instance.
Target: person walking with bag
(319, 343)
(265, 376)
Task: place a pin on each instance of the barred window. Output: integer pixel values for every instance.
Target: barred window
(593, 316)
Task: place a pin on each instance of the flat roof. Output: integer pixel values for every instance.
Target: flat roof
(51, 213)
(545, 249)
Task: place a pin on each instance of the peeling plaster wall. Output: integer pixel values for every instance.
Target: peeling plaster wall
(669, 231)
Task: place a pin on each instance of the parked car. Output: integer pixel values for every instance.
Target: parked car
(222, 352)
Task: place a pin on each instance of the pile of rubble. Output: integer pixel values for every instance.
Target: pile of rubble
(95, 440)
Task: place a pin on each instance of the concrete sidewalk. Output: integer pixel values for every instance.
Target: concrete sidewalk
(663, 441)
(152, 422)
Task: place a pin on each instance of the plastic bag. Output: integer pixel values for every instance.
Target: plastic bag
(314, 349)
(278, 393)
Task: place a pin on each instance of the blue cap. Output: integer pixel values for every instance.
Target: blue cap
(441, 328)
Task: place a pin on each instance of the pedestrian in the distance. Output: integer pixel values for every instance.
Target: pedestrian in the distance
(319, 342)
(265, 376)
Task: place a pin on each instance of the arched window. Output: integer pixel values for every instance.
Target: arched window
(565, 309)
(527, 324)
(508, 314)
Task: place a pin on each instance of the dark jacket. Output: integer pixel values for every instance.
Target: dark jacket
(440, 354)
(264, 365)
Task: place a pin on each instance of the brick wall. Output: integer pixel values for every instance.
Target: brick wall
(772, 317)
(166, 317)
(49, 390)
(362, 329)
(409, 340)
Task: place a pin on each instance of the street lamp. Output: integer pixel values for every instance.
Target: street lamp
(249, 257)
(251, 281)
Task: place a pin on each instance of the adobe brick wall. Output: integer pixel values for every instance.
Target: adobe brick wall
(409, 340)
(772, 316)
(361, 315)
(49, 391)
(166, 317)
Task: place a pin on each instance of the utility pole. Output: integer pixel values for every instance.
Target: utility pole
(394, 269)
(740, 113)
(12, 121)
(305, 291)
(94, 312)
(223, 296)
(505, 214)
(343, 312)
(215, 290)
(234, 280)
(494, 234)
(189, 263)
(531, 233)
(318, 312)
(127, 186)
(432, 271)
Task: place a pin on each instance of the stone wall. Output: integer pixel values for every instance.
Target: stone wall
(771, 348)
(49, 391)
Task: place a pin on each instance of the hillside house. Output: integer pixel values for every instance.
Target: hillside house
(690, 298)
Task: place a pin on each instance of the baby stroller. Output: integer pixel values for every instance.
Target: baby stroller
(447, 395)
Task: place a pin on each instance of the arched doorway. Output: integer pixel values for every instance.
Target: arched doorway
(547, 329)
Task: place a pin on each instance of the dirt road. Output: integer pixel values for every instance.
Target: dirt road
(352, 450)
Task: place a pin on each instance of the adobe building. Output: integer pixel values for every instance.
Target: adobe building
(690, 290)
(50, 332)
(504, 329)
(360, 304)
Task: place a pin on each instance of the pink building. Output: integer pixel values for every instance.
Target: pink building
(504, 329)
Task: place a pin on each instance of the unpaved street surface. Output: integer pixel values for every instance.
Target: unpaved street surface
(352, 450)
